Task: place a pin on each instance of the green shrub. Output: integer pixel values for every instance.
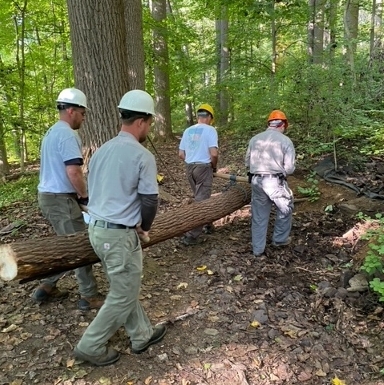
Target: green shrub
(23, 189)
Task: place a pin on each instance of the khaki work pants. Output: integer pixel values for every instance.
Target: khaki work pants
(121, 256)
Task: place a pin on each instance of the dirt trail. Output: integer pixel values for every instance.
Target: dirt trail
(232, 319)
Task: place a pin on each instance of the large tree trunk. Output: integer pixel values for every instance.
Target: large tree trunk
(99, 47)
(37, 258)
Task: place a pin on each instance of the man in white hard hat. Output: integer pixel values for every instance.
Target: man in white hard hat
(122, 205)
(62, 188)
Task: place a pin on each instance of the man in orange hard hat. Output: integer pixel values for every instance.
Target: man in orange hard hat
(199, 149)
(270, 158)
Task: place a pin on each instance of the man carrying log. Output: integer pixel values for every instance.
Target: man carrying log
(122, 206)
(199, 149)
(61, 188)
(270, 157)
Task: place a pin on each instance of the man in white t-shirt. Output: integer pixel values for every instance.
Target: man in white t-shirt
(199, 149)
(62, 188)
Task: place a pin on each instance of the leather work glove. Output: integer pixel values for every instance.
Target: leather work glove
(83, 201)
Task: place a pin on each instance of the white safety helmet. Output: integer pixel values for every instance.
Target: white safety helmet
(138, 101)
(72, 96)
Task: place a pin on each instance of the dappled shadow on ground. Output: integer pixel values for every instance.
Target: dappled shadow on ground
(232, 319)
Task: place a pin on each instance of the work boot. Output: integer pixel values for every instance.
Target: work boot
(46, 292)
(209, 229)
(159, 332)
(108, 358)
(88, 303)
(189, 241)
(281, 244)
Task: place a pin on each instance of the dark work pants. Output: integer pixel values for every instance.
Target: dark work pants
(66, 218)
(200, 177)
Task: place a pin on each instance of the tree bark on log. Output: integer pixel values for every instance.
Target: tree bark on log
(37, 258)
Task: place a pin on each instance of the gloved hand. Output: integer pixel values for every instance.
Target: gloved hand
(250, 176)
(83, 201)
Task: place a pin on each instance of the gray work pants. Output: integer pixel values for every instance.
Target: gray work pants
(66, 218)
(265, 192)
(200, 177)
(121, 256)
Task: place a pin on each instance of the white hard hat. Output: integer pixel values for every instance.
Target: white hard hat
(72, 96)
(138, 101)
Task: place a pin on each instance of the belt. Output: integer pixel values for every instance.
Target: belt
(60, 194)
(202, 163)
(268, 175)
(110, 225)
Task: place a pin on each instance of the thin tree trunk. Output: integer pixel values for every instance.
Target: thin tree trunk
(133, 12)
(316, 31)
(163, 126)
(188, 86)
(4, 165)
(351, 18)
(19, 20)
(332, 22)
(372, 30)
(273, 39)
(223, 64)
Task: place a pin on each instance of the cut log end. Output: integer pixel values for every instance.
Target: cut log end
(8, 265)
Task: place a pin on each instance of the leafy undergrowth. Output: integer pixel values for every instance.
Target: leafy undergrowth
(23, 189)
(232, 319)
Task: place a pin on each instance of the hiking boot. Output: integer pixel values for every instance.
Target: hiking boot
(108, 358)
(46, 292)
(88, 303)
(209, 229)
(280, 244)
(159, 332)
(189, 241)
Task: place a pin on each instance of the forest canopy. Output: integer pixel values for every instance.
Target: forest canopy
(320, 61)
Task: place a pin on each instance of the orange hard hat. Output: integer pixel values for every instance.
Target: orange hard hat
(277, 115)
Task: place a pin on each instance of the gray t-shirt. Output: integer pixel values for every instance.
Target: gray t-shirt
(118, 171)
(60, 144)
(270, 152)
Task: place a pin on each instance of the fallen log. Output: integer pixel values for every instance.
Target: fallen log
(37, 258)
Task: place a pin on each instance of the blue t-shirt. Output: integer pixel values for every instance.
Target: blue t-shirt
(196, 142)
(60, 144)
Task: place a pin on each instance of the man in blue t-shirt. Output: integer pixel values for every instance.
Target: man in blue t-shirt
(199, 149)
(62, 188)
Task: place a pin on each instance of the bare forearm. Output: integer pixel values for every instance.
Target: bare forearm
(214, 155)
(76, 177)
